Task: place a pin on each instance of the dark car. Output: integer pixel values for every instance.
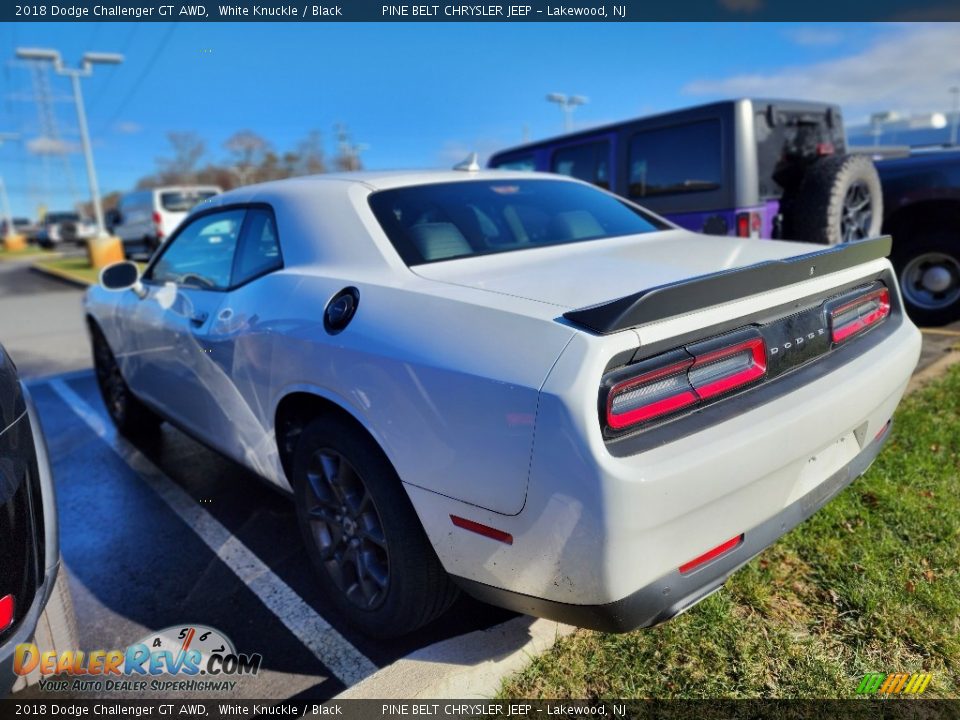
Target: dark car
(921, 194)
(34, 606)
(752, 168)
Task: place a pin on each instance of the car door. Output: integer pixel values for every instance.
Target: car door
(171, 364)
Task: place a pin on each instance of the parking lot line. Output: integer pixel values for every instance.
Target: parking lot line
(328, 645)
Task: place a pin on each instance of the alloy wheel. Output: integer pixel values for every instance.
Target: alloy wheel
(856, 214)
(347, 530)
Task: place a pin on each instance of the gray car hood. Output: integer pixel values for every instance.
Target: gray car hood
(590, 272)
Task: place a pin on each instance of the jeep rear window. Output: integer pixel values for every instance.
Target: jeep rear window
(429, 223)
(674, 160)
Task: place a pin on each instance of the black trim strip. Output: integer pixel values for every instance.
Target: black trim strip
(697, 293)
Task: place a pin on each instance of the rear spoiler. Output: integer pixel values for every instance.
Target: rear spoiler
(685, 296)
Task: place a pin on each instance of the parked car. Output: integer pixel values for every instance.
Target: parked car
(19, 226)
(516, 384)
(144, 218)
(748, 167)
(921, 195)
(64, 227)
(34, 604)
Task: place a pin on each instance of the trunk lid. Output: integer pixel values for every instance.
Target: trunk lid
(587, 273)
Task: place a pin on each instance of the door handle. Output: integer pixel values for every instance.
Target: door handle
(199, 319)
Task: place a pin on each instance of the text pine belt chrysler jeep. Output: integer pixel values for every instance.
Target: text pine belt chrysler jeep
(514, 384)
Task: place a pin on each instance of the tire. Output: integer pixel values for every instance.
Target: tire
(56, 627)
(838, 200)
(337, 466)
(131, 417)
(928, 266)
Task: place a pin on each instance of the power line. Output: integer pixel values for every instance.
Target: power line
(108, 78)
(139, 81)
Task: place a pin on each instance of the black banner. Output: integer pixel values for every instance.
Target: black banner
(477, 11)
(891, 709)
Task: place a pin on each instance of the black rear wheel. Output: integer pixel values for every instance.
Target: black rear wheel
(131, 416)
(362, 534)
(839, 200)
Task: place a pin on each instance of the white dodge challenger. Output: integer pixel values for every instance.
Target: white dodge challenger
(513, 384)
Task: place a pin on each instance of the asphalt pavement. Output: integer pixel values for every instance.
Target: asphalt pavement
(167, 532)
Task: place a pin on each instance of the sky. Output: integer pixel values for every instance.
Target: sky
(424, 95)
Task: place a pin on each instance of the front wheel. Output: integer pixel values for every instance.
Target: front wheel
(132, 417)
(374, 560)
(929, 270)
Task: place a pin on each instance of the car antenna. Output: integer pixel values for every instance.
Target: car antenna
(470, 164)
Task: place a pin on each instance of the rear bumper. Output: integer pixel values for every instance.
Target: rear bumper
(675, 592)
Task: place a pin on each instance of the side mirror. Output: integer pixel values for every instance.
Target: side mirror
(123, 275)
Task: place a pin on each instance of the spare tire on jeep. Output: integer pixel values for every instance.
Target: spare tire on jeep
(838, 200)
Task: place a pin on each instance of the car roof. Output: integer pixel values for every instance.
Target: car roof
(375, 180)
(319, 206)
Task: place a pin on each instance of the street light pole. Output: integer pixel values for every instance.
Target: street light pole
(567, 104)
(7, 216)
(85, 70)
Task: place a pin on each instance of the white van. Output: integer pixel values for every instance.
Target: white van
(144, 219)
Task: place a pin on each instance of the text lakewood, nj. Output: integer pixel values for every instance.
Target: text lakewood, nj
(505, 11)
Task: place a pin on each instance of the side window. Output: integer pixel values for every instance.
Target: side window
(201, 255)
(675, 160)
(523, 163)
(589, 162)
(259, 246)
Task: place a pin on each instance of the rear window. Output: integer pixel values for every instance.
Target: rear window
(675, 160)
(428, 223)
(183, 201)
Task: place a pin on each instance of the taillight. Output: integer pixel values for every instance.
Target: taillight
(748, 224)
(650, 395)
(686, 377)
(158, 224)
(7, 609)
(723, 370)
(858, 315)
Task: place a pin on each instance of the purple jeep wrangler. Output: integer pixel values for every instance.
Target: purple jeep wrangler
(753, 168)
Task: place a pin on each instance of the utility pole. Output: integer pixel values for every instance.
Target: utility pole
(85, 70)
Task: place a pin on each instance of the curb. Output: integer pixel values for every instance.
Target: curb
(62, 275)
(466, 666)
(934, 370)
(15, 258)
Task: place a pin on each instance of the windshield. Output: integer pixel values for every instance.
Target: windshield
(428, 223)
(184, 201)
(62, 217)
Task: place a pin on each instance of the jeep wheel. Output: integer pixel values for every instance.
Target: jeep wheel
(839, 200)
(362, 534)
(929, 270)
(132, 417)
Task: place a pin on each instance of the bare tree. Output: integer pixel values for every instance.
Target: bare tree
(309, 156)
(247, 150)
(188, 149)
(348, 152)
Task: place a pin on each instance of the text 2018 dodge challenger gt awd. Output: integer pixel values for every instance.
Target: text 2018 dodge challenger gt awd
(515, 384)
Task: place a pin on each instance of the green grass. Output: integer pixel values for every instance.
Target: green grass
(28, 251)
(871, 583)
(76, 267)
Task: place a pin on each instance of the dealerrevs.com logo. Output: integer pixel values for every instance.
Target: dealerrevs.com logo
(179, 658)
(900, 683)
